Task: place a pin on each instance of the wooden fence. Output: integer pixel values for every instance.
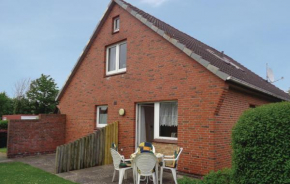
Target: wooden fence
(89, 151)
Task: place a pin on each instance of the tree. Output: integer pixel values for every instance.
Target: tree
(6, 105)
(41, 95)
(21, 87)
(21, 104)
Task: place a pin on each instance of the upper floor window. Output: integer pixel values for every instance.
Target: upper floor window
(116, 58)
(116, 24)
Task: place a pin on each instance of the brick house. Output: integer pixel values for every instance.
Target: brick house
(174, 89)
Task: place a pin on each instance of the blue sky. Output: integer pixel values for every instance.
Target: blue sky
(48, 36)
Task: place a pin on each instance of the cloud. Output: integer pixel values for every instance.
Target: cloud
(154, 3)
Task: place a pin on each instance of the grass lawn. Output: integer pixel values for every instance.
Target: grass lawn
(17, 172)
(3, 150)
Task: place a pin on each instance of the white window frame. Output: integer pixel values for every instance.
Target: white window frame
(116, 29)
(157, 122)
(98, 115)
(117, 70)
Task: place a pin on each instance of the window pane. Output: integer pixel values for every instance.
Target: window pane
(118, 24)
(168, 119)
(123, 55)
(167, 131)
(112, 59)
(103, 115)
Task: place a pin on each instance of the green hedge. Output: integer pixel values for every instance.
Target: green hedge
(220, 177)
(224, 176)
(261, 144)
(187, 180)
(3, 124)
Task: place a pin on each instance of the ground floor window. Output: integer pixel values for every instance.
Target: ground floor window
(102, 116)
(166, 120)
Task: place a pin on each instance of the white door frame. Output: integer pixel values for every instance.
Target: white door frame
(137, 123)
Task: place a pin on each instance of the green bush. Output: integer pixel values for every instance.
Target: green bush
(3, 124)
(261, 144)
(187, 180)
(220, 177)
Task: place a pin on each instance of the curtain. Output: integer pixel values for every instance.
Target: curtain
(168, 114)
(142, 126)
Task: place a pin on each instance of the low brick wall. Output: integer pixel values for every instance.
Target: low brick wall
(3, 138)
(165, 148)
(33, 137)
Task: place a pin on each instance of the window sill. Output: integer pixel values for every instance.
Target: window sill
(115, 32)
(113, 74)
(99, 127)
(166, 141)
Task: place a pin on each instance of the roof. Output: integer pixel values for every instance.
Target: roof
(215, 61)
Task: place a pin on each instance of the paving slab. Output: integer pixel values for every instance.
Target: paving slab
(93, 175)
(44, 162)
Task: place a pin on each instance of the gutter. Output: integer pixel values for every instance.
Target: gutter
(243, 83)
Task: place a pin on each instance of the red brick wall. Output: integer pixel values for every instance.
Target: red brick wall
(233, 105)
(30, 137)
(156, 71)
(165, 148)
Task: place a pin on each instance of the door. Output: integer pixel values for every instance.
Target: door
(145, 123)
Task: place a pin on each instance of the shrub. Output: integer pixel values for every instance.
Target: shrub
(261, 145)
(3, 124)
(187, 180)
(220, 177)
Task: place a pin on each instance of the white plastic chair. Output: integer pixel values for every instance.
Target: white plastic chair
(145, 164)
(117, 158)
(173, 169)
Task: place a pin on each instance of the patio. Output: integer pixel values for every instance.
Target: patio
(94, 175)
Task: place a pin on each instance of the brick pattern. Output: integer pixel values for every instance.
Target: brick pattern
(31, 137)
(233, 105)
(166, 149)
(156, 71)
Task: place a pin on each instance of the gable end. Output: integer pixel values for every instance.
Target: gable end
(189, 52)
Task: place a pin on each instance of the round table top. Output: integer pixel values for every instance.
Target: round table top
(158, 155)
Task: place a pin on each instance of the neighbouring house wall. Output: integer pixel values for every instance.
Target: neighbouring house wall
(156, 71)
(234, 103)
(31, 137)
(19, 116)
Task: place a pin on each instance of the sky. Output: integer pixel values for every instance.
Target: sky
(47, 37)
